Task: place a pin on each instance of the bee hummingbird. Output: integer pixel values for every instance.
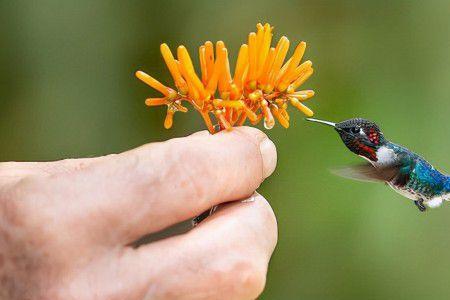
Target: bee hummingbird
(406, 172)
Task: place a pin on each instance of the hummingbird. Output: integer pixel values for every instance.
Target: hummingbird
(403, 170)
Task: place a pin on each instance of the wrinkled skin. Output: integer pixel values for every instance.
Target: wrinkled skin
(66, 226)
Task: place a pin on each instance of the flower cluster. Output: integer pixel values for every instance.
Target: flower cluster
(260, 89)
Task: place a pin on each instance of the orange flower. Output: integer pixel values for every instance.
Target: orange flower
(263, 84)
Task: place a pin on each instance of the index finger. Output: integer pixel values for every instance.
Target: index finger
(154, 186)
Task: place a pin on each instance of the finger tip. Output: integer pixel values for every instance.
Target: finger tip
(254, 211)
(267, 148)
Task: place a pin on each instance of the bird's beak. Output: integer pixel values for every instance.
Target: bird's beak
(322, 122)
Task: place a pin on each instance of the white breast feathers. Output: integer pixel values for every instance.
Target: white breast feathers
(385, 156)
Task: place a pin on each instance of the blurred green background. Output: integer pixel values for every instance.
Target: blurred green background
(68, 90)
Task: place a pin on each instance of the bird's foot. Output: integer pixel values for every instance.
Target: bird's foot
(420, 205)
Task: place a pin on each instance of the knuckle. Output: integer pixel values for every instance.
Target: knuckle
(11, 172)
(192, 169)
(68, 165)
(13, 202)
(23, 210)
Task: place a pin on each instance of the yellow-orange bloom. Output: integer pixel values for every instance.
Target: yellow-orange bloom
(263, 84)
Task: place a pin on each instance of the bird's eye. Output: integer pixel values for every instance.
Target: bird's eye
(355, 130)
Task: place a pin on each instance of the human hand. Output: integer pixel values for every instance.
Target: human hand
(66, 226)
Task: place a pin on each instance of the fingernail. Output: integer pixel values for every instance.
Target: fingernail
(269, 156)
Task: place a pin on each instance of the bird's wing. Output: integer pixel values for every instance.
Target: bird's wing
(398, 173)
(367, 172)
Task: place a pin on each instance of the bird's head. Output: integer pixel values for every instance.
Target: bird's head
(361, 136)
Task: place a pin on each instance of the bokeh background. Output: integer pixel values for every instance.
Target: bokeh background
(68, 90)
